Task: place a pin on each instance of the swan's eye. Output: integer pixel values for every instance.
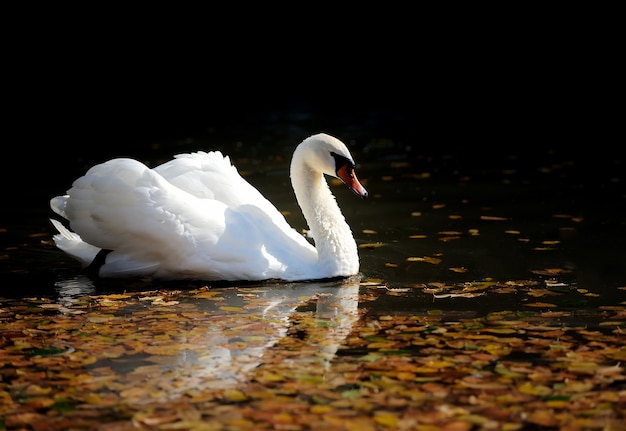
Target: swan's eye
(343, 162)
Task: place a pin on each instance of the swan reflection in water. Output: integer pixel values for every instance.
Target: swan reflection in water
(220, 338)
(313, 318)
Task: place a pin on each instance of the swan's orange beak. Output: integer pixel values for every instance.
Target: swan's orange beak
(347, 175)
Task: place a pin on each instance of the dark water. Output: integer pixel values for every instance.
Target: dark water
(506, 207)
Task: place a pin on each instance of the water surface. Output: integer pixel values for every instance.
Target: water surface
(452, 236)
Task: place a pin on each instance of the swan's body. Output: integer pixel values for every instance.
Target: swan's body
(195, 217)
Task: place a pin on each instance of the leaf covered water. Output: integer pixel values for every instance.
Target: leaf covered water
(277, 358)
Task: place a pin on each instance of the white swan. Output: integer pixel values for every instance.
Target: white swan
(195, 217)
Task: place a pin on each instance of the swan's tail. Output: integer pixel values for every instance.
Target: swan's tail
(73, 245)
(58, 205)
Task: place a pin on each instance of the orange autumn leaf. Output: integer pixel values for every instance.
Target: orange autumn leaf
(540, 304)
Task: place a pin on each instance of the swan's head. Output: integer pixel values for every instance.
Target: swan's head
(327, 154)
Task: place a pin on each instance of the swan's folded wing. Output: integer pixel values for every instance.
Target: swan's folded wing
(124, 206)
(210, 176)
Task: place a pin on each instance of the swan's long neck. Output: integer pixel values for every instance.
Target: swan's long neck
(336, 249)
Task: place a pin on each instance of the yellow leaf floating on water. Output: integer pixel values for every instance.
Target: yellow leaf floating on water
(384, 345)
(492, 218)
(321, 409)
(477, 285)
(433, 260)
(209, 294)
(545, 417)
(497, 349)
(386, 419)
(583, 367)
(269, 377)
(573, 386)
(437, 363)
(168, 349)
(501, 369)
(371, 245)
(51, 306)
(398, 289)
(372, 282)
(533, 389)
(541, 292)
(228, 308)
(234, 395)
(458, 269)
(100, 318)
(115, 296)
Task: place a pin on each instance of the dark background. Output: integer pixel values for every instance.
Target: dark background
(80, 92)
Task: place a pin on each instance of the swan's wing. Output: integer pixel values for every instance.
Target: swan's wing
(156, 228)
(211, 176)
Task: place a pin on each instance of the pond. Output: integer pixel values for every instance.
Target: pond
(492, 295)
